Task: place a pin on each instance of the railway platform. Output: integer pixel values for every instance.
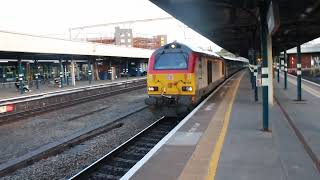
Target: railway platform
(22, 106)
(222, 138)
(9, 91)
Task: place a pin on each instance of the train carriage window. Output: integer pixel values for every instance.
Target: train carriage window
(199, 74)
(174, 60)
(223, 70)
(209, 71)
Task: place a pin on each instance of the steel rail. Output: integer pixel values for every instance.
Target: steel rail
(117, 89)
(117, 162)
(63, 144)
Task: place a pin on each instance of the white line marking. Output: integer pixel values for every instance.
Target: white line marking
(305, 87)
(209, 107)
(163, 141)
(194, 127)
(313, 83)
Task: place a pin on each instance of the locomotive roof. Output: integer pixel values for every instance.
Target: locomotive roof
(199, 50)
(202, 51)
(191, 48)
(235, 59)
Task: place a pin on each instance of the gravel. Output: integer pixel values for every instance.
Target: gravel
(21, 137)
(73, 160)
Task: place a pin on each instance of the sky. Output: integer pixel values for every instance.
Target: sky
(55, 17)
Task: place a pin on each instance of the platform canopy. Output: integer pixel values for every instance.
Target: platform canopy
(232, 24)
(31, 46)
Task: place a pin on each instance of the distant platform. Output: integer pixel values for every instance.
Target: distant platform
(10, 92)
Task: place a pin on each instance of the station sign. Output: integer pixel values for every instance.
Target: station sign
(258, 80)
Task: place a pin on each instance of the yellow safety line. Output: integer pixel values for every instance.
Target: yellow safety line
(218, 148)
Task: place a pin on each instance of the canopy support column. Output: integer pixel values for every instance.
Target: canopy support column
(89, 71)
(299, 73)
(4, 74)
(278, 70)
(73, 73)
(20, 76)
(61, 74)
(265, 69)
(66, 72)
(127, 69)
(285, 69)
(37, 72)
(255, 73)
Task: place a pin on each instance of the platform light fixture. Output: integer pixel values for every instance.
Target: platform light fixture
(152, 88)
(259, 59)
(187, 88)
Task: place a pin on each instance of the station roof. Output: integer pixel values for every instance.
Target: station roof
(31, 46)
(306, 49)
(232, 24)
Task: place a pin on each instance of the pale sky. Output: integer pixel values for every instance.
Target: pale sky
(55, 17)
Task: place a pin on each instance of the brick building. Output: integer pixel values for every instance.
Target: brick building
(310, 57)
(150, 43)
(124, 37)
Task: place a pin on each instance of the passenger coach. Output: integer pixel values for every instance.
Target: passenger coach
(180, 76)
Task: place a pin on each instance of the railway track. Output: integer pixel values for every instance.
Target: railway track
(65, 143)
(116, 163)
(114, 90)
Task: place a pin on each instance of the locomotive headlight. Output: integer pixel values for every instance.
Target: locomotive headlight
(152, 88)
(187, 88)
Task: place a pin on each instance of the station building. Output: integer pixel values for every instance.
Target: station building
(43, 59)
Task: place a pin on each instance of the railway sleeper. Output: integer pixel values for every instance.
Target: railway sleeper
(105, 176)
(128, 160)
(136, 153)
(113, 170)
(139, 150)
(121, 163)
(142, 144)
(151, 139)
(142, 149)
(133, 156)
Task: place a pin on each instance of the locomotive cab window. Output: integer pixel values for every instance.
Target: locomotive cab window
(173, 60)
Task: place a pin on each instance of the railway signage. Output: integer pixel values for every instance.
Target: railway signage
(258, 80)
